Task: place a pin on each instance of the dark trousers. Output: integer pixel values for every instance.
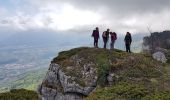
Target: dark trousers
(95, 42)
(128, 48)
(105, 40)
(112, 44)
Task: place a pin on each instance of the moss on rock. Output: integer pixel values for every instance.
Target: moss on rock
(138, 74)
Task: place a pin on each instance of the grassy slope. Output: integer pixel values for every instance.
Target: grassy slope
(141, 76)
(127, 91)
(153, 86)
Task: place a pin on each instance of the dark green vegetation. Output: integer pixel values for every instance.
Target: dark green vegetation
(20, 94)
(126, 91)
(138, 75)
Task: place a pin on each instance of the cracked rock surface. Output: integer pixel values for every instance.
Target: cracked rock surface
(59, 86)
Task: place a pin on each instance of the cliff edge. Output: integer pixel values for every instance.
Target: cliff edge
(100, 74)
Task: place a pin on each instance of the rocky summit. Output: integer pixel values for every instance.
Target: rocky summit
(100, 74)
(157, 40)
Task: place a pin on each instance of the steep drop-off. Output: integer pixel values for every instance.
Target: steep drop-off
(100, 74)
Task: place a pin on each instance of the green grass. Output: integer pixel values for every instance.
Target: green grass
(121, 91)
(165, 95)
(65, 54)
(100, 57)
(127, 91)
(132, 65)
(20, 94)
(140, 76)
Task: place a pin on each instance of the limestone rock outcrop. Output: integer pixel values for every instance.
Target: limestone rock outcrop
(59, 85)
(79, 72)
(157, 41)
(160, 56)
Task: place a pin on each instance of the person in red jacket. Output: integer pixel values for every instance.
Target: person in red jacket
(113, 36)
(95, 35)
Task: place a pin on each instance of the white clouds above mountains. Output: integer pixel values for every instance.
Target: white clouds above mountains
(84, 15)
(60, 18)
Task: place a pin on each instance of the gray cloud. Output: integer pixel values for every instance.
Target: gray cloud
(123, 5)
(119, 15)
(118, 6)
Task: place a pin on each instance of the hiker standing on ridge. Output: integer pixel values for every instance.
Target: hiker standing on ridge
(95, 34)
(128, 41)
(113, 39)
(105, 36)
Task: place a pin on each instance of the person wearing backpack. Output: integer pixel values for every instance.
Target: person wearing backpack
(95, 35)
(128, 41)
(113, 39)
(105, 36)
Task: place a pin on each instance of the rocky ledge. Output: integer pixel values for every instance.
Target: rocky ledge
(78, 74)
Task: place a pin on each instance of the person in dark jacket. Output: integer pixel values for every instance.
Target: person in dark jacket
(128, 41)
(113, 39)
(95, 35)
(105, 36)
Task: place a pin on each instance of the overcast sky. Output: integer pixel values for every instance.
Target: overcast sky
(64, 16)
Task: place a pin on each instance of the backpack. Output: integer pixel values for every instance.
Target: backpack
(93, 33)
(104, 34)
(115, 35)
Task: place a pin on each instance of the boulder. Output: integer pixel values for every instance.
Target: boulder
(59, 86)
(159, 56)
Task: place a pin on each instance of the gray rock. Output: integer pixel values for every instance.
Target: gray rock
(59, 86)
(159, 56)
(159, 49)
(112, 78)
